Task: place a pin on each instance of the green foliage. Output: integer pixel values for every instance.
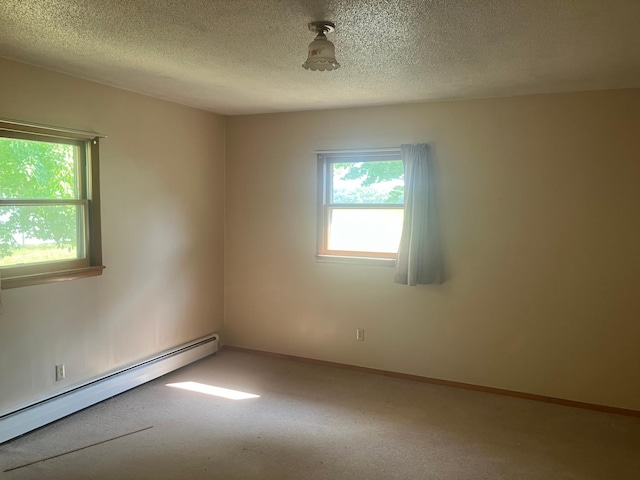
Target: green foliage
(378, 182)
(36, 254)
(37, 170)
(372, 172)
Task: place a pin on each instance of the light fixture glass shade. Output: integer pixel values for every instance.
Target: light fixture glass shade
(322, 55)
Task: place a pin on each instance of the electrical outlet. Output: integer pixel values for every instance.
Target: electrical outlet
(59, 372)
(360, 334)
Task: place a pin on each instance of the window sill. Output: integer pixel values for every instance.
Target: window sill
(371, 261)
(41, 278)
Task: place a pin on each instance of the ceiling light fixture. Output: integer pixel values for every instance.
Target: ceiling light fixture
(322, 53)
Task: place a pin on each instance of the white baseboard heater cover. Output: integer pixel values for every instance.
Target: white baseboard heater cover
(78, 397)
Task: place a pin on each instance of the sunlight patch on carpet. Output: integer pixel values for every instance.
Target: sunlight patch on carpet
(213, 390)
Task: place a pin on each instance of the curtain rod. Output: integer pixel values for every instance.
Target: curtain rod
(52, 128)
(361, 150)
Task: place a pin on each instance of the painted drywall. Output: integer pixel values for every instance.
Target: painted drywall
(538, 201)
(162, 188)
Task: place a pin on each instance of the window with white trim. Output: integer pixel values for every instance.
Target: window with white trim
(360, 205)
(49, 205)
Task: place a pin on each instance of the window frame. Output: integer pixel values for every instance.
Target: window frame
(88, 197)
(325, 204)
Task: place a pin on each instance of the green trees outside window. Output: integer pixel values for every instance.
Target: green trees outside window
(369, 182)
(34, 232)
(360, 204)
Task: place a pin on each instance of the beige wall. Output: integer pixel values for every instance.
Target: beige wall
(539, 211)
(162, 169)
(539, 200)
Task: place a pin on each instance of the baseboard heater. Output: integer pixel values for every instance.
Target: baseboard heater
(81, 396)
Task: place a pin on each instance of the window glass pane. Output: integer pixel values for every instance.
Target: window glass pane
(37, 170)
(34, 234)
(365, 230)
(368, 182)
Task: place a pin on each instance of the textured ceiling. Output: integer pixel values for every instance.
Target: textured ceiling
(245, 56)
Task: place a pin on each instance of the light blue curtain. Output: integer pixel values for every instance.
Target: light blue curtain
(419, 260)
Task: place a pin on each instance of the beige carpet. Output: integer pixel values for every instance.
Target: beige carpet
(313, 422)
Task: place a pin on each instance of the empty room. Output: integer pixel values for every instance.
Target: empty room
(296, 239)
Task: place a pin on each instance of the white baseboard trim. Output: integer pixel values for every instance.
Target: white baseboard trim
(76, 398)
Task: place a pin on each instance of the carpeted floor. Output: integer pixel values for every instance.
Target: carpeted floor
(314, 422)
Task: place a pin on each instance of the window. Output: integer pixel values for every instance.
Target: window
(49, 205)
(360, 205)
